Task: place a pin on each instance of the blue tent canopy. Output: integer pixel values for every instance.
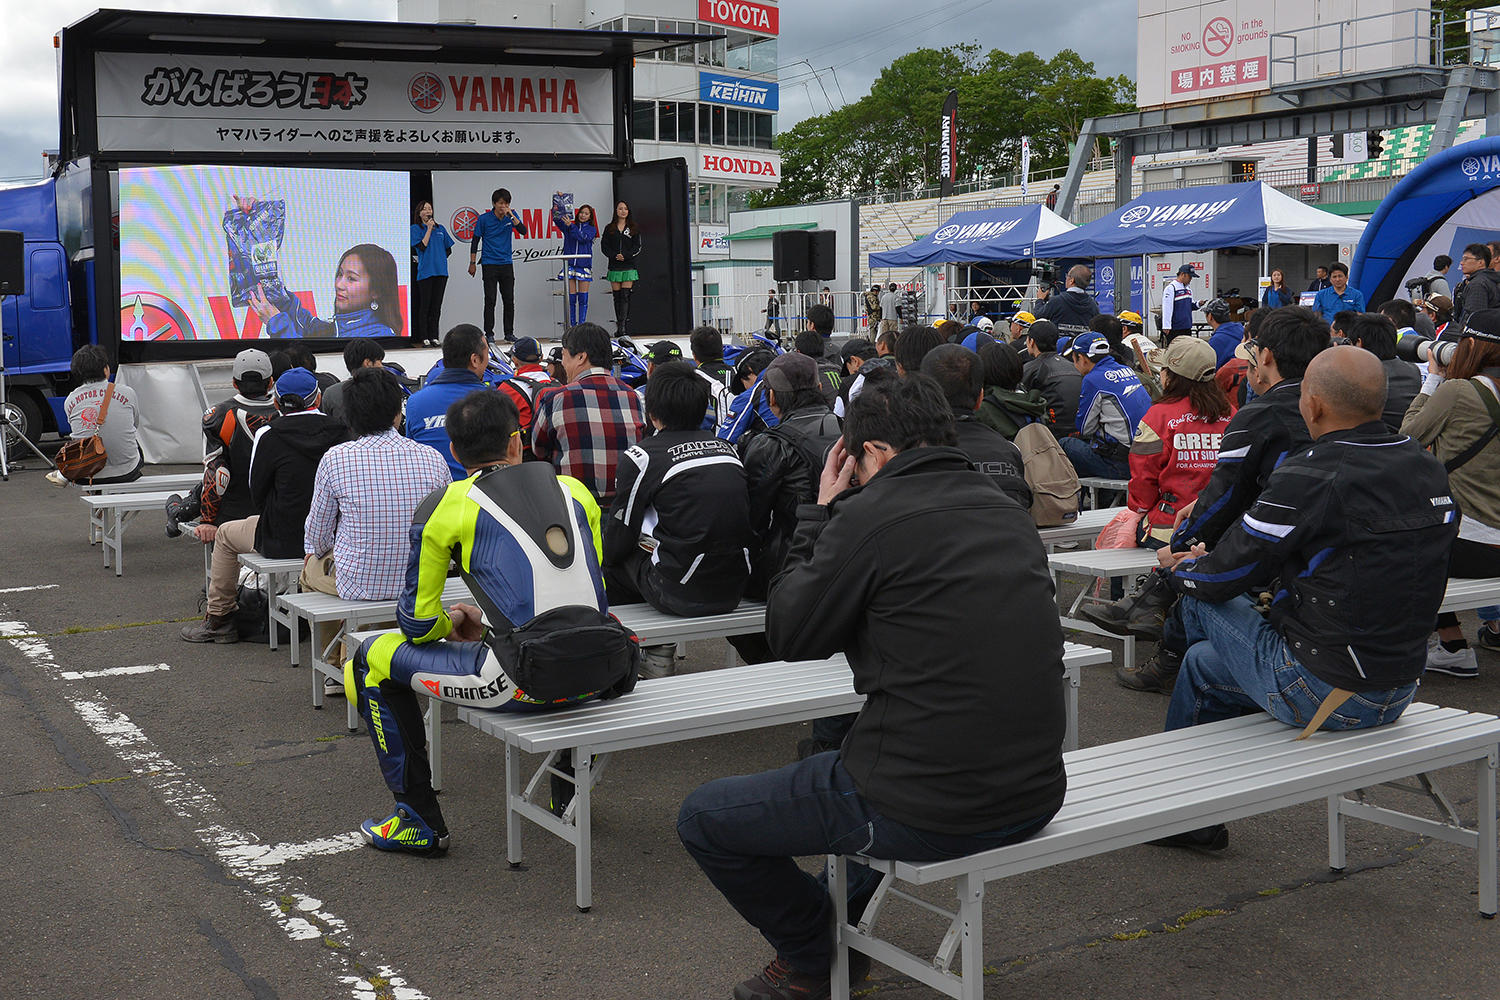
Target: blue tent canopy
(1417, 207)
(1202, 218)
(978, 237)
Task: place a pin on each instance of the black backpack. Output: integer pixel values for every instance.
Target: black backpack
(566, 653)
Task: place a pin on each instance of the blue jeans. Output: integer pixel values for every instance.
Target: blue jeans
(1088, 462)
(745, 832)
(1237, 661)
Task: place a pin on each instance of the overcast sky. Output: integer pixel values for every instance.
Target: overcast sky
(855, 37)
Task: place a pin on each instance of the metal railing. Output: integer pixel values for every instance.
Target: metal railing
(737, 314)
(1306, 53)
(1011, 179)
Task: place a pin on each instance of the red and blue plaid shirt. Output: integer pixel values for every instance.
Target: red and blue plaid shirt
(582, 428)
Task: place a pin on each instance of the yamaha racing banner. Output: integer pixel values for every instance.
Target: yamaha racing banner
(236, 105)
(949, 144)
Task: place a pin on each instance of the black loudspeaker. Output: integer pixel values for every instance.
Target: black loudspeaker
(12, 263)
(789, 249)
(822, 244)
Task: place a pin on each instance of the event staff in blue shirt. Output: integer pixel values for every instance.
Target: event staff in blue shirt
(494, 230)
(1338, 296)
(431, 245)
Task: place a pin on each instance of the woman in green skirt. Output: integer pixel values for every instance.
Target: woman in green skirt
(621, 243)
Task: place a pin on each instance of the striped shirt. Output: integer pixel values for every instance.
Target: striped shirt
(364, 496)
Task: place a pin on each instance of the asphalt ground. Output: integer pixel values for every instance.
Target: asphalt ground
(185, 832)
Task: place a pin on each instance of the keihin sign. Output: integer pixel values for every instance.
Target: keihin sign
(1191, 51)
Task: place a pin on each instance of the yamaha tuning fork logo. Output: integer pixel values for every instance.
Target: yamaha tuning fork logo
(1480, 168)
(426, 93)
(1135, 214)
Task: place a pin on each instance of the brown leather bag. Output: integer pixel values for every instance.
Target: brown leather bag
(81, 459)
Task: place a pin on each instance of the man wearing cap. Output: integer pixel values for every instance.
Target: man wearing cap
(466, 355)
(229, 433)
(526, 386)
(1111, 403)
(1177, 305)
(1226, 336)
(284, 459)
(1338, 296)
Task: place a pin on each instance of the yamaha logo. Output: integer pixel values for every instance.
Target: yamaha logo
(425, 92)
(1107, 275)
(1135, 214)
(1470, 166)
(946, 233)
(464, 221)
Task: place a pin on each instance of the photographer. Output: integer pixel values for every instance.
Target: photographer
(1480, 288)
(1457, 415)
(1073, 308)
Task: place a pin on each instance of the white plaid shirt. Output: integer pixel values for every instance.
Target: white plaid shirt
(364, 496)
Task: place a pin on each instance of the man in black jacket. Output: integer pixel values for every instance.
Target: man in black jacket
(1072, 309)
(1055, 378)
(283, 461)
(1480, 288)
(678, 533)
(1376, 333)
(960, 375)
(1259, 438)
(1357, 529)
(955, 750)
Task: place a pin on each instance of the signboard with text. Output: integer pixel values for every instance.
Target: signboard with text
(764, 167)
(204, 103)
(716, 88)
(759, 17)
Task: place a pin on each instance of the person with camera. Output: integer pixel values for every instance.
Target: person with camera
(955, 750)
(1073, 308)
(1457, 415)
(528, 543)
(1480, 288)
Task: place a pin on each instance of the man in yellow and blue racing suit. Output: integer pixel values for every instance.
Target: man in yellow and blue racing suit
(527, 542)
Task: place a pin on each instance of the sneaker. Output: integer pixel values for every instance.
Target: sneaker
(1462, 663)
(1157, 674)
(658, 661)
(212, 629)
(1207, 838)
(1487, 637)
(57, 479)
(405, 831)
(333, 688)
(779, 981)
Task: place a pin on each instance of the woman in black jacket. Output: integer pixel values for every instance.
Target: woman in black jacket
(621, 244)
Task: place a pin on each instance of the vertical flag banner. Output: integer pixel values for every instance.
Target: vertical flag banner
(1025, 165)
(949, 145)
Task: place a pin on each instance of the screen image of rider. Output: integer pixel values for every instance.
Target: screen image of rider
(229, 253)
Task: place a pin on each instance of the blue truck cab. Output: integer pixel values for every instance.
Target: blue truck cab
(41, 328)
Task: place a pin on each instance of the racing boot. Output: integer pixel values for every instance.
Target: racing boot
(181, 509)
(1140, 614)
(1157, 674)
(405, 831)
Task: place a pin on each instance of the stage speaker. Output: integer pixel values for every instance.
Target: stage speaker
(13, 263)
(822, 244)
(789, 255)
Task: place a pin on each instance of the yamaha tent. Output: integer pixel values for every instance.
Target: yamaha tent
(979, 237)
(1448, 201)
(1202, 218)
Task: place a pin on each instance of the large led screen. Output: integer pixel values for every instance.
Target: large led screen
(240, 253)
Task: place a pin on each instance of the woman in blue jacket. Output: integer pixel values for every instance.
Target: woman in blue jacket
(579, 233)
(430, 246)
(1278, 295)
(366, 301)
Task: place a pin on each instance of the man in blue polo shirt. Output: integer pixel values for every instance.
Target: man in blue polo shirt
(494, 230)
(1338, 296)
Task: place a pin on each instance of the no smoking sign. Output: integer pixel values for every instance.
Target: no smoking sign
(1218, 36)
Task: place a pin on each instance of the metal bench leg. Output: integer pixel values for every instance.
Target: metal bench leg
(583, 819)
(434, 722)
(1487, 834)
(1070, 736)
(513, 794)
(351, 716)
(971, 918)
(317, 679)
(1337, 822)
(838, 888)
(268, 587)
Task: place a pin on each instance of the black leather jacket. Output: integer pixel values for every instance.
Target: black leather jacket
(1357, 528)
(780, 476)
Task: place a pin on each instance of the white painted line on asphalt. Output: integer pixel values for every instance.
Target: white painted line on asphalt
(304, 919)
(17, 590)
(271, 855)
(144, 668)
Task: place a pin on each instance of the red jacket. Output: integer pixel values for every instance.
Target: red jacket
(1173, 454)
(1230, 376)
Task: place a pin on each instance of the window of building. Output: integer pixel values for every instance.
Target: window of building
(763, 129)
(666, 120)
(737, 54)
(763, 56)
(737, 127)
(686, 121)
(643, 120)
(717, 112)
(641, 23)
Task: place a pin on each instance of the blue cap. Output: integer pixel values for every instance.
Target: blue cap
(975, 341)
(1090, 345)
(297, 382)
(526, 349)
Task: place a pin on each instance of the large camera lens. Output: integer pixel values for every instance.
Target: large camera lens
(1411, 347)
(1441, 351)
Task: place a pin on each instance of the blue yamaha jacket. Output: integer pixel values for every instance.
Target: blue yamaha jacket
(427, 410)
(294, 320)
(1111, 404)
(578, 238)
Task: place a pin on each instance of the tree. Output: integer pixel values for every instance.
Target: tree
(890, 138)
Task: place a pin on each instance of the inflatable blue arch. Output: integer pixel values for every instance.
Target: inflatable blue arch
(1415, 209)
